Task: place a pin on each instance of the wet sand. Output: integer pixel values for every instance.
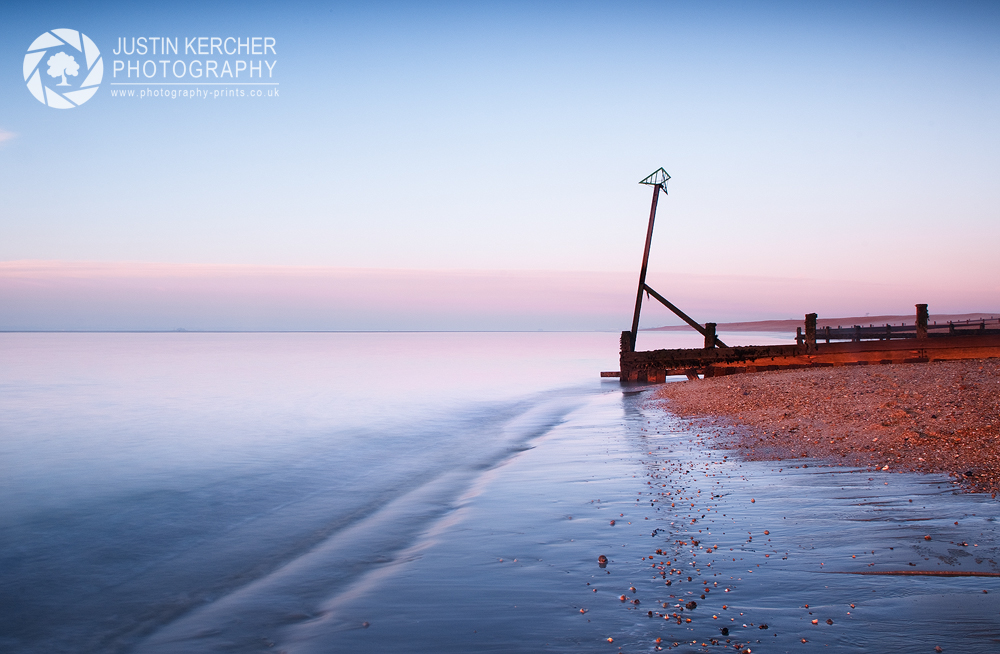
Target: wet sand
(702, 552)
(939, 417)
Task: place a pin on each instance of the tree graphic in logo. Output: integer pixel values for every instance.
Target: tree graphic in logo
(61, 65)
(68, 53)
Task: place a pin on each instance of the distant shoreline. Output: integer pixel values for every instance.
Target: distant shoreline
(790, 325)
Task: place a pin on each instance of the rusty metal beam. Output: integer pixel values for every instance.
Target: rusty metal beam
(680, 314)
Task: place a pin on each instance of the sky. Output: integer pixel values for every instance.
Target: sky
(441, 165)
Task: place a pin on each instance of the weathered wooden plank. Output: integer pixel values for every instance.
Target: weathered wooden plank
(654, 364)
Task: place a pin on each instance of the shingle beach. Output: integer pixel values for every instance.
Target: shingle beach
(934, 417)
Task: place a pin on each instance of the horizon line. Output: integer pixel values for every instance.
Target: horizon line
(306, 331)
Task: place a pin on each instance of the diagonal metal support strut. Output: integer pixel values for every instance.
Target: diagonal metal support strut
(680, 314)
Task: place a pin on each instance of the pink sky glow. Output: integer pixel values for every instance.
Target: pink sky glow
(60, 295)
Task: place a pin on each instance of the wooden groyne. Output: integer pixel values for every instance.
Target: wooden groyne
(829, 346)
(916, 343)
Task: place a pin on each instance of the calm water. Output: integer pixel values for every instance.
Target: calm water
(438, 492)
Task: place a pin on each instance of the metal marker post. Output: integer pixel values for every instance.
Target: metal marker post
(658, 180)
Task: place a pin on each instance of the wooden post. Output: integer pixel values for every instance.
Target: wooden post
(625, 372)
(642, 271)
(709, 335)
(626, 347)
(857, 334)
(921, 321)
(798, 336)
(811, 330)
(828, 333)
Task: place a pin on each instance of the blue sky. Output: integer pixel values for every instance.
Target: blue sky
(854, 141)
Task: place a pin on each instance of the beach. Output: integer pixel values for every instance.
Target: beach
(941, 417)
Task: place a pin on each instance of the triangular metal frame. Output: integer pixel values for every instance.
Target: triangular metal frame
(659, 177)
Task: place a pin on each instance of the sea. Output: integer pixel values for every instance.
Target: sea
(444, 492)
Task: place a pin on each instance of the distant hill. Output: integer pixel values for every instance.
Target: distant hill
(790, 325)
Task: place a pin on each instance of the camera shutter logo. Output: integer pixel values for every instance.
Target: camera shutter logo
(56, 61)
